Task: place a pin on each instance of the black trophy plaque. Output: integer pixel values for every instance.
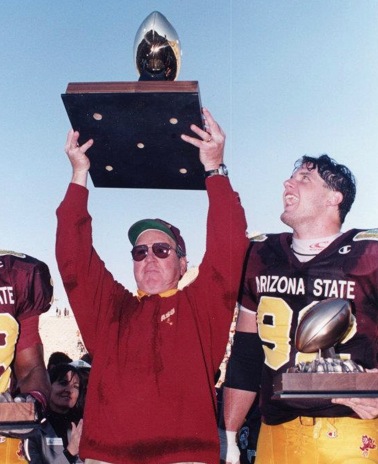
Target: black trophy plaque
(136, 128)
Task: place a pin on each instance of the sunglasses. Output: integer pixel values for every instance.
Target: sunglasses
(161, 250)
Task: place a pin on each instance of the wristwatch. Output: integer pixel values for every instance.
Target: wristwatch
(221, 171)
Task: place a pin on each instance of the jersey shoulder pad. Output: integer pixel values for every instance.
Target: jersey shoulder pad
(30, 280)
(369, 234)
(255, 237)
(12, 253)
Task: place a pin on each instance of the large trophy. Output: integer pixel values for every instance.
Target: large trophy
(329, 375)
(136, 126)
(19, 416)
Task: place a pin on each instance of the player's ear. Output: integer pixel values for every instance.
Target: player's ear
(335, 198)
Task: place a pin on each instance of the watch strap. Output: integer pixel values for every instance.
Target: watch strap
(212, 172)
(222, 171)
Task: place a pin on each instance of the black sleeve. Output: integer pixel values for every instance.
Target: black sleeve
(245, 363)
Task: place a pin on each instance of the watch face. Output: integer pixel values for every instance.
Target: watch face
(223, 169)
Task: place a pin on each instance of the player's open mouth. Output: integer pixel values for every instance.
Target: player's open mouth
(290, 199)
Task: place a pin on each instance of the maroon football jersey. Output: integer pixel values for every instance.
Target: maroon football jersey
(26, 291)
(280, 289)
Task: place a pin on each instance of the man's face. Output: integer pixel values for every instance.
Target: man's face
(156, 275)
(305, 199)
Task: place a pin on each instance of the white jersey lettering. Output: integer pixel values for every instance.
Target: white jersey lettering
(328, 288)
(324, 288)
(277, 284)
(6, 295)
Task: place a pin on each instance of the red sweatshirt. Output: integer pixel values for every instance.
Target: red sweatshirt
(151, 391)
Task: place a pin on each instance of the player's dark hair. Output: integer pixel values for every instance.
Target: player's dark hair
(337, 177)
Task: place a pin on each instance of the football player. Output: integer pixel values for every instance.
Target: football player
(284, 275)
(26, 291)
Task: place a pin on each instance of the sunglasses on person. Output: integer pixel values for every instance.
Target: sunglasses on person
(161, 250)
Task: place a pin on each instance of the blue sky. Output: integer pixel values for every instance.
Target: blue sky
(283, 79)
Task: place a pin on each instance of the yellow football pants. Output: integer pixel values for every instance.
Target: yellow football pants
(11, 451)
(308, 440)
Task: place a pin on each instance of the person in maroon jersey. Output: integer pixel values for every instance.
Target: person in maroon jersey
(151, 394)
(284, 275)
(26, 291)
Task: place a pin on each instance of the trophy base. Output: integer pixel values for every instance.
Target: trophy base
(326, 385)
(17, 415)
(136, 128)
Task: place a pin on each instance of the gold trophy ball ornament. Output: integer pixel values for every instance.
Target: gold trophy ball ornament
(329, 375)
(137, 126)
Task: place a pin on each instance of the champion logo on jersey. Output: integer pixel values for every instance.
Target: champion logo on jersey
(371, 234)
(345, 250)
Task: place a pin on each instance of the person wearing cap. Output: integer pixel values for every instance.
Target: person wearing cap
(151, 395)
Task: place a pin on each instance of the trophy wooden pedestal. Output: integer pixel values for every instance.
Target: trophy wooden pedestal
(17, 415)
(326, 385)
(136, 128)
